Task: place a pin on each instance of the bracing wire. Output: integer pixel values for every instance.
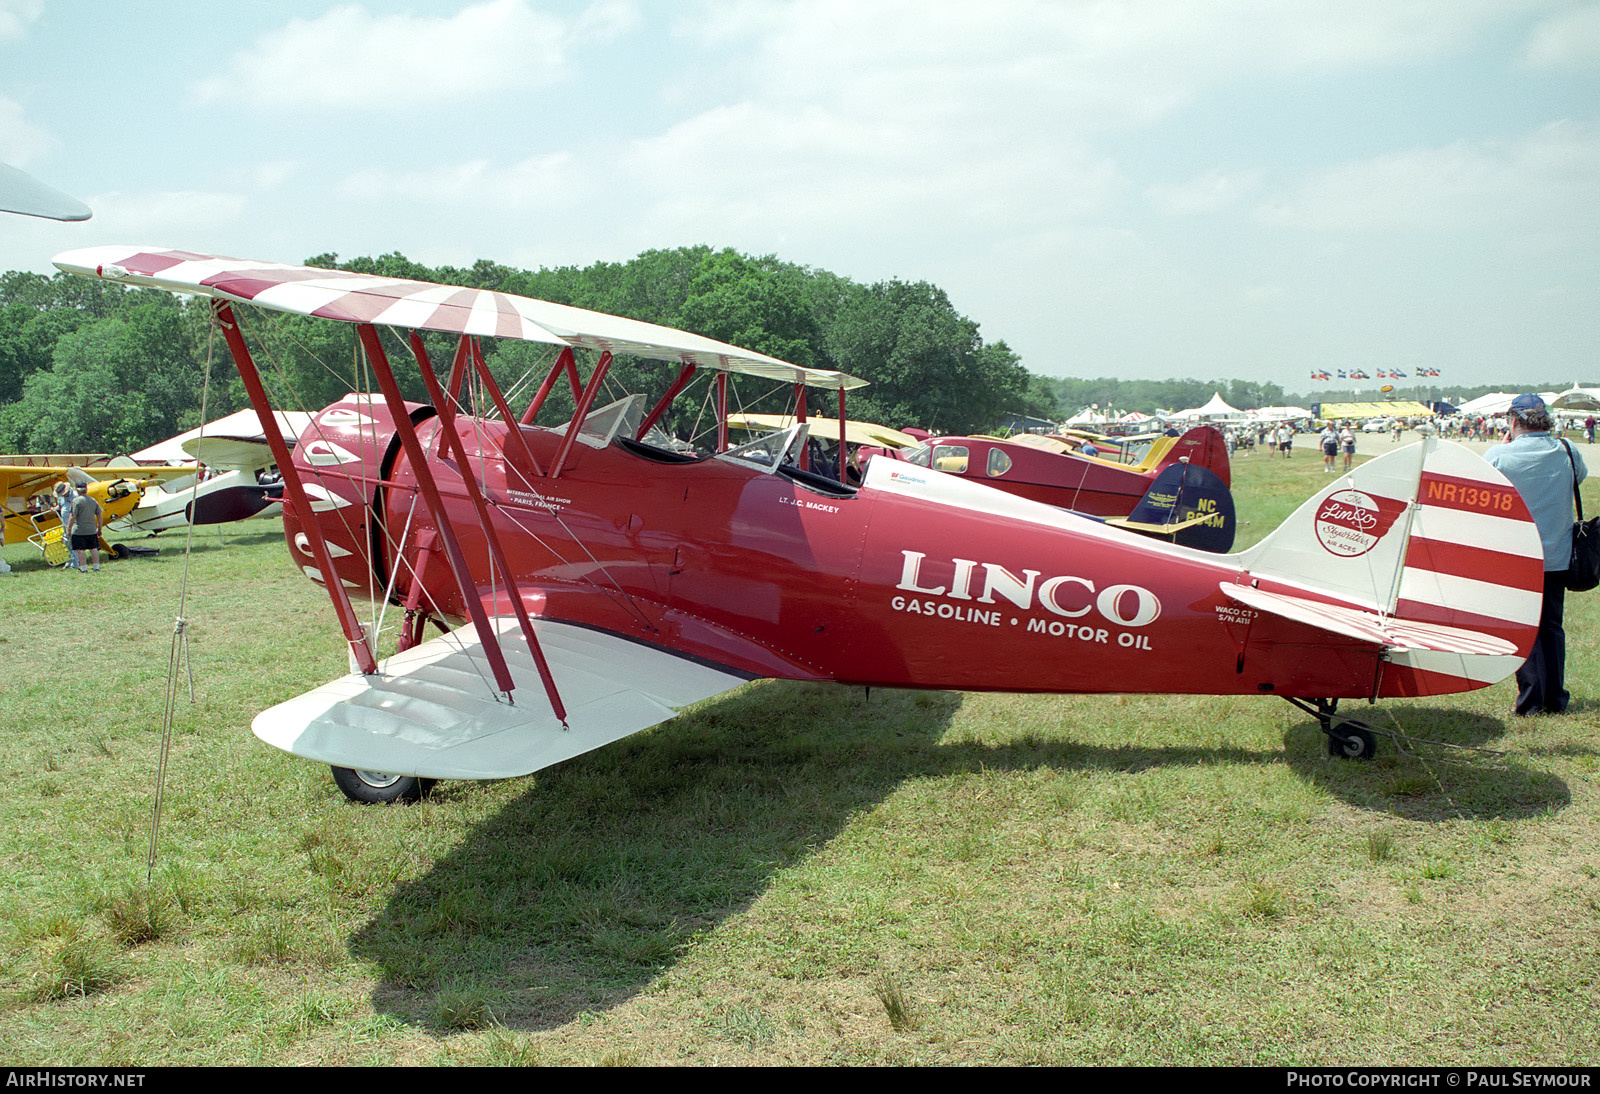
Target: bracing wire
(179, 650)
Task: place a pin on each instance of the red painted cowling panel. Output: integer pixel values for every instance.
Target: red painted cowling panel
(341, 457)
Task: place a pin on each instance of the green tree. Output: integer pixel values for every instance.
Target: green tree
(927, 363)
(80, 403)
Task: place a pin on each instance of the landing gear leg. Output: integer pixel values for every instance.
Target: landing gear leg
(1348, 740)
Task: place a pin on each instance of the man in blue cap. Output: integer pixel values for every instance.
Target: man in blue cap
(1538, 466)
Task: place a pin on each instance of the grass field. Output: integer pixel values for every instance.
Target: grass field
(789, 874)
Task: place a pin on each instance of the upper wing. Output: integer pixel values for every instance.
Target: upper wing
(22, 193)
(231, 453)
(22, 481)
(431, 711)
(869, 433)
(390, 301)
(243, 425)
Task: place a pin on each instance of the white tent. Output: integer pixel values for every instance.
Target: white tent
(1577, 398)
(1497, 402)
(1217, 409)
(1278, 414)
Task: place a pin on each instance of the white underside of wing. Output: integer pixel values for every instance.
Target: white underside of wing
(433, 710)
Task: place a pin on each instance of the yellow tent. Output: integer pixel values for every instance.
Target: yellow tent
(1408, 408)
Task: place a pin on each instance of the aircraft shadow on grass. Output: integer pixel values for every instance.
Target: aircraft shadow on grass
(1420, 780)
(586, 887)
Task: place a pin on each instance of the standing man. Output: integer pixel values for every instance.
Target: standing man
(1347, 441)
(87, 516)
(1588, 429)
(1538, 466)
(1330, 448)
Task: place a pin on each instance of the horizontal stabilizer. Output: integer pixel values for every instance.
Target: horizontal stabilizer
(1396, 635)
(1151, 529)
(432, 710)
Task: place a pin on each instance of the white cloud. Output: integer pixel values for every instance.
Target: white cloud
(16, 15)
(1566, 40)
(20, 140)
(813, 173)
(537, 182)
(353, 59)
(165, 215)
(1548, 181)
(944, 116)
(1208, 193)
(268, 175)
(1087, 66)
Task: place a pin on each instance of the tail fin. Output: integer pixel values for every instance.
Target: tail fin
(1428, 535)
(1203, 446)
(1187, 505)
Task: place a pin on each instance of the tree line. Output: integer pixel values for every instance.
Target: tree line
(94, 366)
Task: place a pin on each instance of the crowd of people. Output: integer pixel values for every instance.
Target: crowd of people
(1279, 439)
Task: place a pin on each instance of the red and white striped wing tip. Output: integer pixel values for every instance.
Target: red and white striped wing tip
(398, 302)
(1391, 633)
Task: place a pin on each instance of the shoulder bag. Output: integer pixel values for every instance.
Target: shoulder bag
(1583, 572)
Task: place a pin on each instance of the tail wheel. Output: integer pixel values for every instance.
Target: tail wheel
(1352, 743)
(378, 787)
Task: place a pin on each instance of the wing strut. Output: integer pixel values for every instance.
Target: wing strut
(591, 389)
(800, 419)
(565, 362)
(513, 429)
(677, 386)
(295, 489)
(447, 427)
(379, 361)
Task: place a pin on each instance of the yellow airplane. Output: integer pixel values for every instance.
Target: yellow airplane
(27, 501)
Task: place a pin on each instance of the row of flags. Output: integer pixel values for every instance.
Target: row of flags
(1358, 374)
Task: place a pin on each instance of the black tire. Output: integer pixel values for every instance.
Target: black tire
(378, 788)
(1352, 743)
(119, 550)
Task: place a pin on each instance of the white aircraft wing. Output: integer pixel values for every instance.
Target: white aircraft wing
(22, 193)
(432, 711)
(397, 302)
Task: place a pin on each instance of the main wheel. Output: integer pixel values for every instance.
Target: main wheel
(1352, 743)
(378, 787)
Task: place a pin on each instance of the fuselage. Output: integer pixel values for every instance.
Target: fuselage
(1098, 486)
(913, 580)
(117, 498)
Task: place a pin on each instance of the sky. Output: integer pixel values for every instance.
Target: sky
(1250, 189)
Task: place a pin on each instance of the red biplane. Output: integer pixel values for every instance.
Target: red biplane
(618, 578)
(1183, 479)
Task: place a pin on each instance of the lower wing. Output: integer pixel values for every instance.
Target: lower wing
(432, 710)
